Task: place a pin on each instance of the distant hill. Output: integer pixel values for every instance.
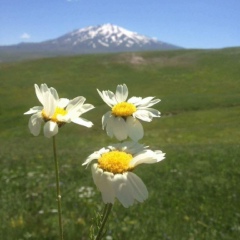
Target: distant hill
(104, 38)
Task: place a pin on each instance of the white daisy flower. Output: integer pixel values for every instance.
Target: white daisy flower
(122, 121)
(56, 111)
(113, 174)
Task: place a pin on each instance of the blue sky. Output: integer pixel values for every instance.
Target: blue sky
(187, 23)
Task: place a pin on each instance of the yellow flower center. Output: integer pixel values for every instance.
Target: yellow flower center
(115, 162)
(123, 109)
(58, 111)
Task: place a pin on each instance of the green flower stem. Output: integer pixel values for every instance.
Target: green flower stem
(58, 190)
(104, 211)
(107, 210)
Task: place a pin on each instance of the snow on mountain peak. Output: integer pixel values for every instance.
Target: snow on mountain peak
(109, 33)
(106, 38)
(113, 29)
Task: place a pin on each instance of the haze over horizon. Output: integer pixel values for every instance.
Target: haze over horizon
(189, 24)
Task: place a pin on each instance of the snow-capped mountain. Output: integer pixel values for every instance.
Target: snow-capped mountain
(107, 38)
(92, 39)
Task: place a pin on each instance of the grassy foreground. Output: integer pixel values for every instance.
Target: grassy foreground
(194, 193)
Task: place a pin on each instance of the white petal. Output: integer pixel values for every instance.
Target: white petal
(147, 111)
(134, 100)
(121, 93)
(62, 102)
(83, 122)
(132, 147)
(95, 156)
(64, 118)
(119, 128)
(49, 100)
(123, 190)
(54, 93)
(86, 107)
(128, 147)
(44, 91)
(105, 119)
(49, 104)
(33, 110)
(75, 108)
(138, 188)
(111, 97)
(128, 187)
(103, 181)
(38, 93)
(34, 124)
(153, 112)
(134, 128)
(143, 115)
(147, 102)
(101, 95)
(147, 156)
(75, 104)
(153, 102)
(50, 129)
(110, 126)
(108, 97)
(160, 155)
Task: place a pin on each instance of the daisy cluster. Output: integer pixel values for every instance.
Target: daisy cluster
(112, 166)
(113, 170)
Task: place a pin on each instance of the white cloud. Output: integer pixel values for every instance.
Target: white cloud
(25, 36)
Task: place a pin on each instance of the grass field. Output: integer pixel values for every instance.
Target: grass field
(194, 193)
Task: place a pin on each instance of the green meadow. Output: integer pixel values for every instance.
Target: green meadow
(194, 194)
